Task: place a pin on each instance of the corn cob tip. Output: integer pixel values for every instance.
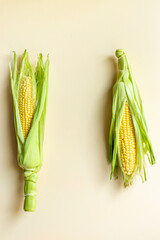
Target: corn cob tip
(119, 52)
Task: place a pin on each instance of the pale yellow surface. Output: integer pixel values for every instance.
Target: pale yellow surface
(76, 200)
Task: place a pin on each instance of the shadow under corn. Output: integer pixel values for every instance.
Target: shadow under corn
(111, 64)
(111, 61)
(104, 116)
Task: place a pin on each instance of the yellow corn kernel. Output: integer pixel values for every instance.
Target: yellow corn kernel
(26, 104)
(127, 142)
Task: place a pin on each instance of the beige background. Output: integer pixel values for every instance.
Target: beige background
(76, 200)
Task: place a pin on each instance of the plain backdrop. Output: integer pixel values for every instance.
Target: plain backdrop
(75, 198)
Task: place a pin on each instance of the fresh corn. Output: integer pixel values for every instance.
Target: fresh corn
(128, 140)
(29, 91)
(26, 105)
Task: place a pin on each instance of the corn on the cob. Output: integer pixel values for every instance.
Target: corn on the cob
(26, 105)
(128, 140)
(30, 90)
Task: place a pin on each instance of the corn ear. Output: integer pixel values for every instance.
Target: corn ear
(127, 142)
(29, 91)
(26, 105)
(128, 139)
